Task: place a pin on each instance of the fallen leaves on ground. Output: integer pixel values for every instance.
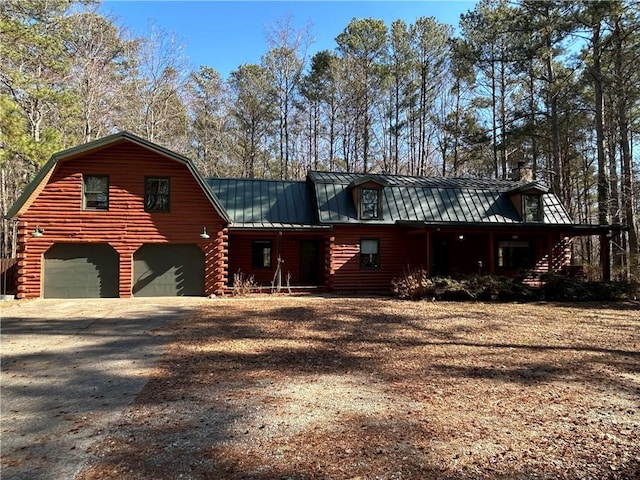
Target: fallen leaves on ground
(269, 387)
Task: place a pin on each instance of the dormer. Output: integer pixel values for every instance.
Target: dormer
(367, 197)
(528, 200)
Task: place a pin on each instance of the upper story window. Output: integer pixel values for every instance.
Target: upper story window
(156, 194)
(532, 208)
(261, 254)
(95, 192)
(370, 203)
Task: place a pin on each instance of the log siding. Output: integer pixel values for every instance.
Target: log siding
(397, 251)
(57, 210)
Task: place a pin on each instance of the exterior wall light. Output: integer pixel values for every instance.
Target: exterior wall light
(204, 233)
(38, 232)
(460, 237)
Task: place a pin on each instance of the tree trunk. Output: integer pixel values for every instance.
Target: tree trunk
(625, 154)
(555, 128)
(596, 73)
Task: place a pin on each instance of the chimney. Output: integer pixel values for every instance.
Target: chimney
(522, 173)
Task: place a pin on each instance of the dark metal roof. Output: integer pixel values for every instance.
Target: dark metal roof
(273, 204)
(411, 181)
(327, 199)
(428, 200)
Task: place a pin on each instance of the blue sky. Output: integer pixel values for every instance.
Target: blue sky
(226, 34)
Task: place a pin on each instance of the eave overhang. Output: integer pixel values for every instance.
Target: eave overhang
(367, 179)
(578, 229)
(246, 227)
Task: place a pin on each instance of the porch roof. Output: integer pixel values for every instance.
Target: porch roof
(266, 204)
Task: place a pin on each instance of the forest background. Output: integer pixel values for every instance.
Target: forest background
(554, 84)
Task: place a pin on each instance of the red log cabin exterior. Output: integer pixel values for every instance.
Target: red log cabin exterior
(89, 225)
(124, 217)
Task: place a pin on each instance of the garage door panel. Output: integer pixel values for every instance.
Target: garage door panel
(73, 270)
(168, 270)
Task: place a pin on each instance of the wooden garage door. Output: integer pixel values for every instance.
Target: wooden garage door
(81, 270)
(168, 270)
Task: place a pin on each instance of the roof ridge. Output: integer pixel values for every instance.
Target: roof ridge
(240, 179)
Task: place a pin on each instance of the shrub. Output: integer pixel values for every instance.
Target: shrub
(415, 284)
(566, 289)
(243, 285)
(412, 285)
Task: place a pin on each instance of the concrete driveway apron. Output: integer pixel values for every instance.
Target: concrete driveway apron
(69, 370)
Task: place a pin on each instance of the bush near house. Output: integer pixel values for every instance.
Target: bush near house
(566, 289)
(415, 284)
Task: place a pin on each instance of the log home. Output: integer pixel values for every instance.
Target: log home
(118, 217)
(121, 216)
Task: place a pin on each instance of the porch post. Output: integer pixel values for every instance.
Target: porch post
(428, 242)
(549, 253)
(605, 257)
(492, 253)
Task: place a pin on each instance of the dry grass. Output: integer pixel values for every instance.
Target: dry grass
(284, 387)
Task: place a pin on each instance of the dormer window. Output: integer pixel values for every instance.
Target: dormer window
(528, 200)
(531, 208)
(370, 203)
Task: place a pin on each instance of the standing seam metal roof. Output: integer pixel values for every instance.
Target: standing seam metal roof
(327, 199)
(253, 203)
(429, 199)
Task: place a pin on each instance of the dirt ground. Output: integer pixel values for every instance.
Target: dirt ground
(340, 388)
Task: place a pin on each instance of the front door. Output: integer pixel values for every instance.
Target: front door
(440, 257)
(309, 262)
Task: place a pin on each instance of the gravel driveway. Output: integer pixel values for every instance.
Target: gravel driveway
(69, 369)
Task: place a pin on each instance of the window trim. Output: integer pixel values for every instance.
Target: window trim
(375, 263)
(361, 204)
(525, 216)
(85, 192)
(146, 185)
(262, 244)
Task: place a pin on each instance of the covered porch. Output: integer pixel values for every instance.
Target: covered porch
(526, 252)
(289, 260)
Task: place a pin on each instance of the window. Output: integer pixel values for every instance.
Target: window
(369, 253)
(95, 192)
(156, 194)
(369, 203)
(261, 254)
(532, 208)
(514, 255)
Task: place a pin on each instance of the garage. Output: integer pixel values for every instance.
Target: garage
(81, 270)
(164, 270)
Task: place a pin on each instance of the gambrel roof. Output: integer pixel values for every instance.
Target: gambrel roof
(46, 171)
